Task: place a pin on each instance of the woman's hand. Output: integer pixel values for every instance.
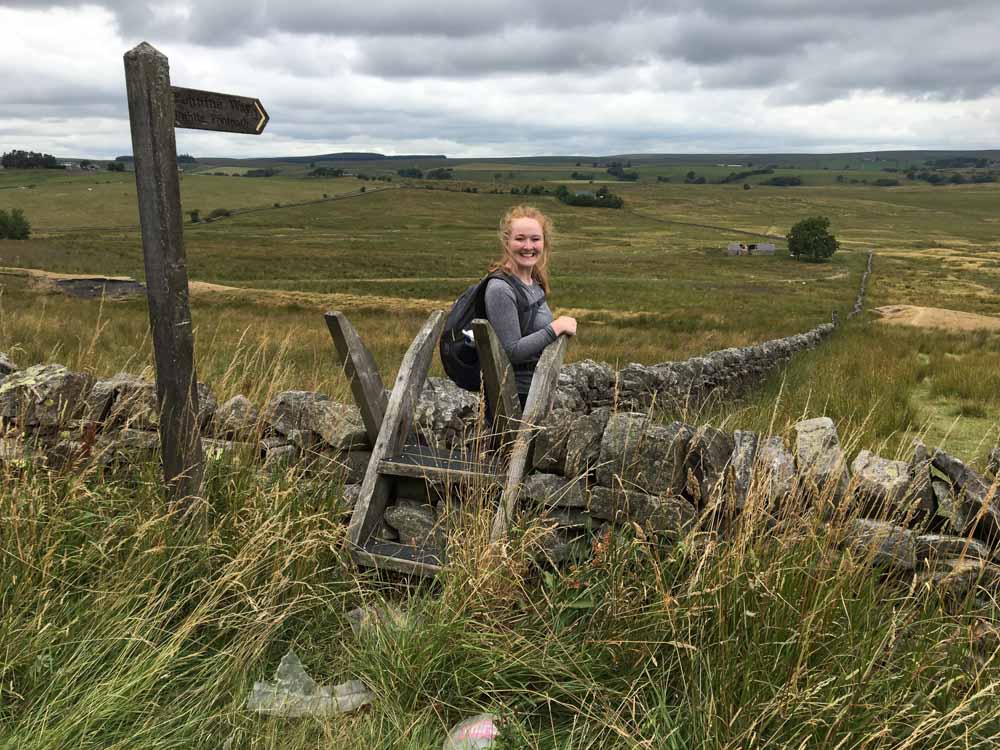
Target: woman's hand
(564, 324)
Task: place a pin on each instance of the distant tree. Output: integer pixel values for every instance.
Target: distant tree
(185, 159)
(326, 172)
(441, 173)
(746, 185)
(29, 160)
(811, 240)
(785, 181)
(418, 174)
(84, 163)
(116, 166)
(14, 225)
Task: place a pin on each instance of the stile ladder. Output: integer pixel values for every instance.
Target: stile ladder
(398, 459)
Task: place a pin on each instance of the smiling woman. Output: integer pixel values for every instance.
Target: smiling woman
(516, 306)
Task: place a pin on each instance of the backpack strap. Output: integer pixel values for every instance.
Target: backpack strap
(526, 311)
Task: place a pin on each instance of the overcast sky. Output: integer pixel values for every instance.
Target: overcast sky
(517, 77)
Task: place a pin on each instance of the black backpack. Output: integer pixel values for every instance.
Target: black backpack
(458, 351)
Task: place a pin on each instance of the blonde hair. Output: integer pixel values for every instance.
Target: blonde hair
(540, 271)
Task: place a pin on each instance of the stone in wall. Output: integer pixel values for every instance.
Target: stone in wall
(237, 418)
(663, 514)
(920, 471)
(820, 460)
(742, 463)
(550, 441)
(348, 465)
(446, 415)
(882, 544)
(416, 523)
(976, 507)
(338, 426)
(931, 547)
(44, 397)
(709, 455)
(955, 579)
(7, 366)
(636, 455)
(583, 444)
(588, 383)
(777, 466)
(126, 446)
(552, 490)
(884, 486)
(125, 400)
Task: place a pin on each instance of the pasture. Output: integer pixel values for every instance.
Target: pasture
(123, 627)
(649, 283)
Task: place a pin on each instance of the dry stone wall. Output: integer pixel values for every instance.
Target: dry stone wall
(930, 516)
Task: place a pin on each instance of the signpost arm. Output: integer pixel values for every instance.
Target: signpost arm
(151, 115)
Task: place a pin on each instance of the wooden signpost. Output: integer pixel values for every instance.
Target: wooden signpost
(155, 109)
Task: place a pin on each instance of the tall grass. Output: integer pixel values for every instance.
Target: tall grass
(125, 627)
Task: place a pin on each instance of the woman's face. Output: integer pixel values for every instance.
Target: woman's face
(526, 244)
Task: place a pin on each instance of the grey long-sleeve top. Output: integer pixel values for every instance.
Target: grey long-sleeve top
(501, 311)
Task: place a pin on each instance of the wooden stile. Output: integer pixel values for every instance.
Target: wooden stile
(394, 429)
(536, 408)
(499, 385)
(362, 372)
(397, 459)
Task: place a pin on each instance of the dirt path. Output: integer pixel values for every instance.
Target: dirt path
(936, 317)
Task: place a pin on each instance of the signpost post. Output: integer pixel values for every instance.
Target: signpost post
(155, 109)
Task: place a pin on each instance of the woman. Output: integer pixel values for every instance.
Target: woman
(526, 239)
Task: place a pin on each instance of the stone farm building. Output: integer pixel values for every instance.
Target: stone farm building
(754, 248)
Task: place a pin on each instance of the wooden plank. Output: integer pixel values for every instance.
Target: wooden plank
(441, 470)
(151, 117)
(362, 373)
(536, 408)
(404, 552)
(395, 425)
(499, 385)
(394, 557)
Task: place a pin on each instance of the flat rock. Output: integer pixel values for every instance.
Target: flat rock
(552, 490)
(820, 459)
(237, 418)
(931, 547)
(957, 578)
(337, 426)
(126, 446)
(280, 457)
(882, 544)
(44, 397)
(671, 515)
(884, 483)
(642, 457)
(416, 523)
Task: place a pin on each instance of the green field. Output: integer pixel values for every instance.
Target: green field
(649, 283)
(126, 626)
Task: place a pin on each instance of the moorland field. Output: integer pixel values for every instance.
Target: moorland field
(649, 283)
(123, 628)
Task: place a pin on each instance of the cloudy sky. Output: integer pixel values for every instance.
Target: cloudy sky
(517, 77)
